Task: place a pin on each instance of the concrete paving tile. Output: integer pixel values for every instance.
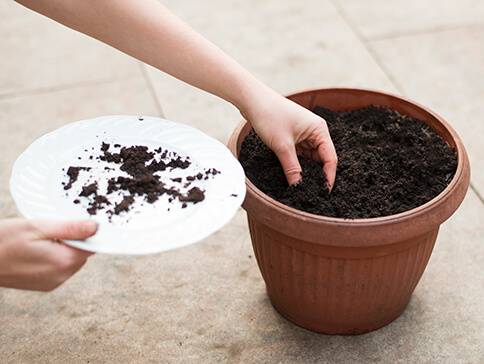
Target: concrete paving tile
(445, 72)
(291, 47)
(38, 53)
(25, 118)
(206, 303)
(385, 18)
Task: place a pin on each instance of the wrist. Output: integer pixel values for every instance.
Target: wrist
(252, 98)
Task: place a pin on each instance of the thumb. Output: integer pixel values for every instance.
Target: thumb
(290, 164)
(65, 230)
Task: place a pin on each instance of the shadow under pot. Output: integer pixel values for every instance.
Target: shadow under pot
(339, 275)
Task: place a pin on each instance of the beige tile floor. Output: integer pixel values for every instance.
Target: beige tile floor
(206, 303)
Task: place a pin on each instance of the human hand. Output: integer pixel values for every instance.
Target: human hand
(289, 129)
(32, 257)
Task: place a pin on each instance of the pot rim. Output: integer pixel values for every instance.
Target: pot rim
(462, 161)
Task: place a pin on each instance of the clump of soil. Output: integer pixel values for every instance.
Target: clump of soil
(388, 163)
(194, 195)
(88, 190)
(124, 205)
(141, 166)
(73, 174)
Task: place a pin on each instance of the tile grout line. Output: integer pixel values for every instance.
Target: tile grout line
(151, 89)
(387, 73)
(415, 32)
(478, 194)
(365, 44)
(69, 86)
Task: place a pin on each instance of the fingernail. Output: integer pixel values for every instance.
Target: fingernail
(297, 181)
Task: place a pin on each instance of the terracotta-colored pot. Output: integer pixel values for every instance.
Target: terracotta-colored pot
(339, 276)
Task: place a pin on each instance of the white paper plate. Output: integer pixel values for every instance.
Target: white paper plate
(37, 174)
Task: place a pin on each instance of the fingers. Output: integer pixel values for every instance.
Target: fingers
(290, 164)
(327, 154)
(40, 265)
(64, 261)
(31, 258)
(64, 230)
(69, 260)
(305, 152)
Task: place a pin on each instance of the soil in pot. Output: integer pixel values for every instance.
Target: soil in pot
(388, 163)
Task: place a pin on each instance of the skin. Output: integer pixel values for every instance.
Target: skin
(31, 256)
(146, 30)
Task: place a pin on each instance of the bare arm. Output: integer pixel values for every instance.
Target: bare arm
(146, 30)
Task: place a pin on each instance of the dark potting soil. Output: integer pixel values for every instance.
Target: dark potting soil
(388, 163)
(141, 165)
(194, 195)
(73, 174)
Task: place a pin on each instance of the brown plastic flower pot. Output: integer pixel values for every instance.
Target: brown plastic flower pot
(340, 276)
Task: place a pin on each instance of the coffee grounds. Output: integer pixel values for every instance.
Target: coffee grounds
(142, 181)
(99, 202)
(194, 195)
(141, 165)
(88, 190)
(388, 163)
(96, 202)
(73, 174)
(124, 205)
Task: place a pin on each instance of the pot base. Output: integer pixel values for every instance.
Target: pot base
(334, 329)
(339, 290)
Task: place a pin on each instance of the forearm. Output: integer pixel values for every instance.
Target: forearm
(146, 30)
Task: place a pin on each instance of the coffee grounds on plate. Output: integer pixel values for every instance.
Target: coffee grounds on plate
(73, 174)
(140, 164)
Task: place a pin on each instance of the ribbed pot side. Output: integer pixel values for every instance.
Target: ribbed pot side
(339, 276)
(332, 291)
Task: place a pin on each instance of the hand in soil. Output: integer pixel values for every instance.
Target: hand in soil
(31, 256)
(389, 163)
(289, 129)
